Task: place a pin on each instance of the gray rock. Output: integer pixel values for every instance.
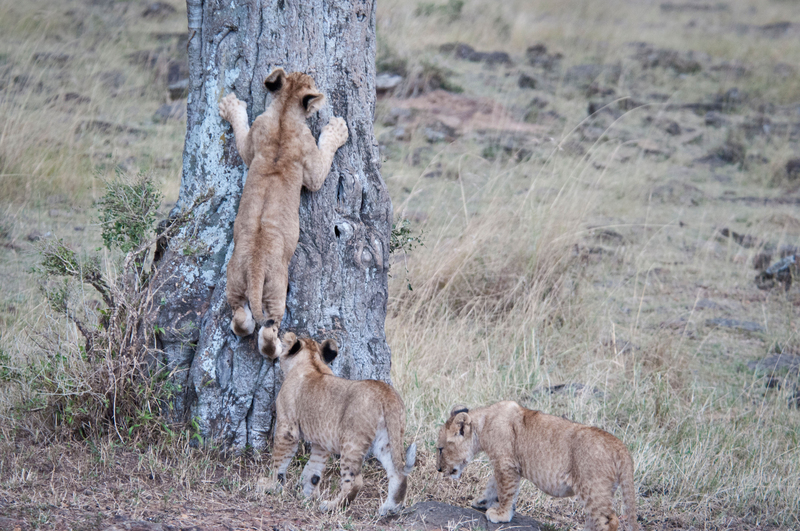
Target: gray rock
(170, 111)
(776, 363)
(386, 83)
(781, 271)
(179, 89)
(425, 516)
(744, 326)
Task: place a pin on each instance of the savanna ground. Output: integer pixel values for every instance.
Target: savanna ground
(594, 203)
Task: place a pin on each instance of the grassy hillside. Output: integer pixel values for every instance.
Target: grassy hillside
(597, 185)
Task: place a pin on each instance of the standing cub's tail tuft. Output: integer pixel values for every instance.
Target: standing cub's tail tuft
(411, 458)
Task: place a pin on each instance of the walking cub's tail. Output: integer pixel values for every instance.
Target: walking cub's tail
(628, 492)
(411, 458)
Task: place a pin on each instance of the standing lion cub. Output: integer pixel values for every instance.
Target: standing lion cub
(561, 457)
(339, 416)
(282, 157)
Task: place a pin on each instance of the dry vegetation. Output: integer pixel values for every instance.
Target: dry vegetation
(572, 262)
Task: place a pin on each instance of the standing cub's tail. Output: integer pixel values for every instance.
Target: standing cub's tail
(411, 458)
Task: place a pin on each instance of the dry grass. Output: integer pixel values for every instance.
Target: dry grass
(593, 261)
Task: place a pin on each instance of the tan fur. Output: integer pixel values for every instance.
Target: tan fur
(561, 457)
(282, 157)
(339, 416)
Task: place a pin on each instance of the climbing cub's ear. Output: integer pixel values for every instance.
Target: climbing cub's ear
(274, 81)
(329, 350)
(312, 102)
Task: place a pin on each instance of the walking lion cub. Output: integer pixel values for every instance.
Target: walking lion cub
(339, 416)
(561, 457)
(282, 157)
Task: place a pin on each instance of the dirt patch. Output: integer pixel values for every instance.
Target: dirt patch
(430, 516)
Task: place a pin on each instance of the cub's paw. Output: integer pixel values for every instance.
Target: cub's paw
(389, 508)
(336, 131)
(497, 517)
(268, 343)
(230, 106)
(242, 323)
(484, 504)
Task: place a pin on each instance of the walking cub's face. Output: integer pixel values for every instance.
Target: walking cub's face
(455, 443)
(296, 350)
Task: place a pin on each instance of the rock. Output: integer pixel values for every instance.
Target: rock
(526, 81)
(386, 83)
(573, 389)
(537, 56)
(158, 10)
(425, 516)
(744, 326)
(34, 236)
(681, 62)
(776, 363)
(468, 53)
(170, 111)
(674, 191)
(395, 115)
(670, 7)
(584, 75)
(715, 119)
(793, 169)
(779, 272)
(439, 132)
(707, 304)
(671, 127)
(731, 152)
(745, 240)
(179, 89)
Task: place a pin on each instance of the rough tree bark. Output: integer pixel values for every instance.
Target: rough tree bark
(338, 276)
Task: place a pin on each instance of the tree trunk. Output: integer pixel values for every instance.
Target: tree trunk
(338, 276)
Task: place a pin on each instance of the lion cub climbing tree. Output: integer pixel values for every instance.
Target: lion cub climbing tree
(338, 274)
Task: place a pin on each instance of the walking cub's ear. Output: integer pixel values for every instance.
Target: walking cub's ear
(329, 350)
(291, 345)
(274, 81)
(312, 102)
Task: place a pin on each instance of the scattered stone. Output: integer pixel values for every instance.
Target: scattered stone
(715, 119)
(681, 62)
(386, 83)
(731, 152)
(674, 191)
(745, 240)
(779, 272)
(671, 127)
(584, 75)
(776, 363)
(429, 516)
(179, 89)
(526, 81)
(744, 326)
(793, 169)
(573, 389)
(671, 7)
(57, 59)
(439, 132)
(158, 10)
(170, 111)
(776, 29)
(396, 115)
(537, 56)
(707, 304)
(112, 79)
(468, 53)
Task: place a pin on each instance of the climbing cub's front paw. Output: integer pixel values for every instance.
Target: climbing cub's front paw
(229, 106)
(497, 517)
(336, 131)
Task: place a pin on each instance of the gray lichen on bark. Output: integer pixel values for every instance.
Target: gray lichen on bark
(338, 276)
